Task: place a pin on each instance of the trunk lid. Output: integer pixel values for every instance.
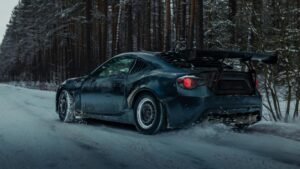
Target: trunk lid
(228, 82)
(232, 83)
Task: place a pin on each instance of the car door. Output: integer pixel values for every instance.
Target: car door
(104, 91)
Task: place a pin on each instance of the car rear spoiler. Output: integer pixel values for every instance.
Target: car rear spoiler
(243, 56)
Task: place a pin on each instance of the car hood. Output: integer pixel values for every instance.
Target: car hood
(73, 83)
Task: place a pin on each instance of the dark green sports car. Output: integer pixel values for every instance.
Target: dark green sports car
(157, 90)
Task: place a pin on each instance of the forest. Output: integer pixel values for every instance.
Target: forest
(49, 41)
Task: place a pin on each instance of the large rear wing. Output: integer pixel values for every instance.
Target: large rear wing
(215, 58)
(224, 54)
(243, 56)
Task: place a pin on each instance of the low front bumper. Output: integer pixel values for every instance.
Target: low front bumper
(184, 110)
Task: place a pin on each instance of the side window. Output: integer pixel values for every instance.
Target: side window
(116, 67)
(139, 66)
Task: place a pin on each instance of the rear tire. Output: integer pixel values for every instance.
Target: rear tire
(148, 115)
(66, 107)
(242, 126)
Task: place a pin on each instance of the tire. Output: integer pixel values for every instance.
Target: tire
(241, 126)
(66, 109)
(148, 115)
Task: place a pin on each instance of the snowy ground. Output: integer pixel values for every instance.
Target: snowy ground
(31, 137)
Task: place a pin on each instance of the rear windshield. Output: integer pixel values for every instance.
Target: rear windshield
(176, 60)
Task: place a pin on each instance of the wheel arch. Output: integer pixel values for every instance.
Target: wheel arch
(58, 92)
(137, 93)
(147, 91)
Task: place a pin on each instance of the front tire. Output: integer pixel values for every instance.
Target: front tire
(148, 115)
(66, 109)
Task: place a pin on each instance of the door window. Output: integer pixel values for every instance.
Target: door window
(116, 67)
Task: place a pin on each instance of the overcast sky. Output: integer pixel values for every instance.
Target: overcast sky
(6, 7)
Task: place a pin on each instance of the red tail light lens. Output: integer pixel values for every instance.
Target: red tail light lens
(188, 82)
(256, 84)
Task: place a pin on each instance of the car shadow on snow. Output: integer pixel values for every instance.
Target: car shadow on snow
(121, 127)
(107, 124)
(202, 128)
(276, 129)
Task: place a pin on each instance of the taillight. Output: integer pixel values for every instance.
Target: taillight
(188, 82)
(257, 87)
(256, 84)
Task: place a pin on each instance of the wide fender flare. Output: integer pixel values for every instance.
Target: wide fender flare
(141, 89)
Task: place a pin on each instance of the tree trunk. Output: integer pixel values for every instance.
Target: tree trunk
(257, 24)
(89, 57)
(231, 17)
(167, 28)
(192, 25)
(173, 25)
(147, 26)
(199, 25)
(296, 110)
(121, 4)
(109, 31)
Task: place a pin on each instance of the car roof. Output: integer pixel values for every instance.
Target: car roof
(152, 57)
(146, 55)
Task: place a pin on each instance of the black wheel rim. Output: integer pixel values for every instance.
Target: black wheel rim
(63, 106)
(148, 113)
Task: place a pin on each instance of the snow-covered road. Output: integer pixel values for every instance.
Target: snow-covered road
(32, 137)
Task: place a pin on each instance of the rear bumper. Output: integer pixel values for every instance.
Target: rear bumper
(184, 110)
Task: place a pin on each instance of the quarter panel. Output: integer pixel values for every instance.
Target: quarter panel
(160, 83)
